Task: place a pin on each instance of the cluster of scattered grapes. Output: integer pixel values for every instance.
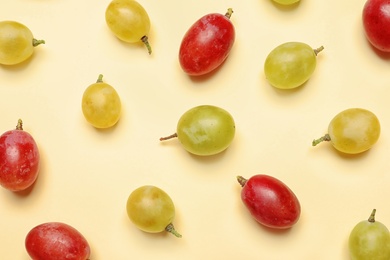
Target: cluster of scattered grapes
(204, 130)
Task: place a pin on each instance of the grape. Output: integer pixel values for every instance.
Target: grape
(56, 240)
(352, 131)
(101, 104)
(286, 2)
(16, 42)
(151, 210)
(207, 43)
(205, 130)
(369, 239)
(19, 159)
(290, 64)
(270, 202)
(376, 23)
(129, 21)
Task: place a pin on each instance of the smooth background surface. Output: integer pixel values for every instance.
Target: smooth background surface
(87, 174)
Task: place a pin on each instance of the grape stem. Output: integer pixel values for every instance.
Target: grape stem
(19, 126)
(371, 219)
(319, 140)
(100, 78)
(144, 39)
(36, 42)
(229, 13)
(171, 229)
(318, 50)
(241, 180)
(168, 137)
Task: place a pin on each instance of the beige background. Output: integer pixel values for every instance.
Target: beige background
(87, 175)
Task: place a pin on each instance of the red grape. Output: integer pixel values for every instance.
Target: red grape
(207, 44)
(376, 22)
(55, 240)
(270, 201)
(19, 159)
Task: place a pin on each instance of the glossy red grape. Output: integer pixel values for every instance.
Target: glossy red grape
(270, 202)
(55, 240)
(376, 22)
(207, 44)
(19, 159)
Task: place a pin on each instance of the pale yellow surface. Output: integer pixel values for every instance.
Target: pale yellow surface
(87, 174)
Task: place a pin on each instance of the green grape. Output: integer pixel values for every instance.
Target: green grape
(290, 64)
(16, 43)
(151, 210)
(129, 21)
(205, 130)
(352, 131)
(286, 2)
(369, 240)
(101, 104)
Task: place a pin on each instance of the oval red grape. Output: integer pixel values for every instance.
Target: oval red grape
(55, 240)
(207, 44)
(19, 159)
(270, 202)
(376, 22)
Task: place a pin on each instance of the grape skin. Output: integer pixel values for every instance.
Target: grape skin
(16, 43)
(290, 64)
(101, 104)
(129, 21)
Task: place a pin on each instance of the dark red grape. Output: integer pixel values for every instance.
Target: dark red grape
(376, 22)
(207, 44)
(270, 201)
(19, 159)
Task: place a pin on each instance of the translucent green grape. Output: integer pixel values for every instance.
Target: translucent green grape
(101, 104)
(352, 131)
(129, 21)
(205, 130)
(16, 43)
(290, 65)
(151, 210)
(369, 240)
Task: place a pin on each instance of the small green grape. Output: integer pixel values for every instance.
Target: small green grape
(205, 130)
(16, 43)
(101, 104)
(352, 131)
(129, 21)
(369, 240)
(151, 210)
(290, 64)
(286, 2)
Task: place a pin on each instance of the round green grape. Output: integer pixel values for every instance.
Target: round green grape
(369, 239)
(205, 130)
(101, 104)
(290, 64)
(151, 210)
(16, 43)
(286, 2)
(129, 21)
(352, 131)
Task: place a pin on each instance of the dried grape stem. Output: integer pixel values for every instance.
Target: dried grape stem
(319, 140)
(144, 39)
(37, 42)
(371, 219)
(171, 229)
(229, 13)
(168, 137)
(241, 180)
(19, 126)
(318, 50)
